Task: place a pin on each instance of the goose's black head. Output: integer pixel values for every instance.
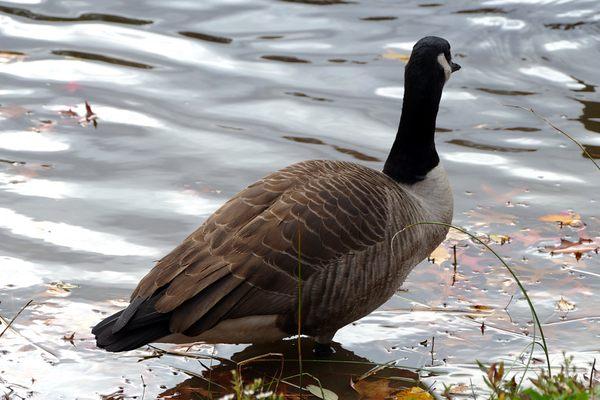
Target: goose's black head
(430, 61)
(413, 154)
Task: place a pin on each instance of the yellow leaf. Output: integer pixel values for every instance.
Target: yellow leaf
(564, 305)
(414, 393)
(392, 55)
(501, 239)
(439, 255)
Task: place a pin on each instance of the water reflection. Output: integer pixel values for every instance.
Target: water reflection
(279, 362)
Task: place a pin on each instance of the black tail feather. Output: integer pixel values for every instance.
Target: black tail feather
(129, 339)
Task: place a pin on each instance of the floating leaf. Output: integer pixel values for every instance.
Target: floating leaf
(392, 55)
(321, 393)
(379, 389)
(414, 393)
(501, 239)
(60, 288)
(481, 307)
(564, 305)
(568, 218)
(439, 255)
(576, 248)
(90, 116)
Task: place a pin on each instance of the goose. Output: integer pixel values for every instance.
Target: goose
(307, 249)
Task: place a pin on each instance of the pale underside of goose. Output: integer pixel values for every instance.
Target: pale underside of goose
(335, 225)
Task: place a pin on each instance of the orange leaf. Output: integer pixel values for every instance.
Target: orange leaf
(569, 218)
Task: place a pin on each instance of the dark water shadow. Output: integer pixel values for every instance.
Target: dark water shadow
(102, 58)
(483, 10)
(594, 151)
(319, 2)
(501, 92)
(590, 115)
(206, 37)
(383, 18)
(351, 152)
(488, 147)
(279, 362)
(22, 12)
(287, 59)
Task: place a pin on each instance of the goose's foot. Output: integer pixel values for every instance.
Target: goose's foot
(322, 346)
(322, 349)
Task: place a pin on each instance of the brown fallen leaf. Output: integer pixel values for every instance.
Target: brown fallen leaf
(68, 113)
(90, 116)
(578, 248)
(70, 338)
(414, 393)
(379, 389)
(564, 305)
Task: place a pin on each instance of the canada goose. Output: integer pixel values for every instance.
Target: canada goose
(234, 280)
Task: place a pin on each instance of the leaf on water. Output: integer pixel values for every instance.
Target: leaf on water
(68, 113)
(10, 56)
(44, 126)
(501, 239)
(321, 393)
(379, 389)
(439, 255)
(70, 338)
(481, 307)
(414, 393)
(60, 289)
(392, 55)
(578, 248)
(567, 218)
(90, 116)
(564, 305)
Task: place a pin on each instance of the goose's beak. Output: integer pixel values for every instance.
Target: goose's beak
(455, 67)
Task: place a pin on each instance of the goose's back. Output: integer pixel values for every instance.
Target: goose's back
(330, 222)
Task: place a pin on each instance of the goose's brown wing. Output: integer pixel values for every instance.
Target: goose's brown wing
(245, 258)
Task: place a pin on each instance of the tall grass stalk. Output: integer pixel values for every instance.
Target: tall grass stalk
(300, 309)
(510, 270)
(546, 120)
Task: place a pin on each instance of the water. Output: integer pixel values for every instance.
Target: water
(195, 100)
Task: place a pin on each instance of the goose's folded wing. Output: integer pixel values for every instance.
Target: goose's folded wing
(245, 259)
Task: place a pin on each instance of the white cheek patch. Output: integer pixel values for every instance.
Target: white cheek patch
(444, 63)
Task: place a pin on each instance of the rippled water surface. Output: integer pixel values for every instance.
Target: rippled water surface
(197, 99)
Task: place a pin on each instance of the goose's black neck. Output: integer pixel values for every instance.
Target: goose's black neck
(413, 153)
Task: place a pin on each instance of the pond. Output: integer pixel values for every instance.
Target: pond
(196, 100)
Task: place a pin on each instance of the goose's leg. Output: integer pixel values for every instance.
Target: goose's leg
(322, 346)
